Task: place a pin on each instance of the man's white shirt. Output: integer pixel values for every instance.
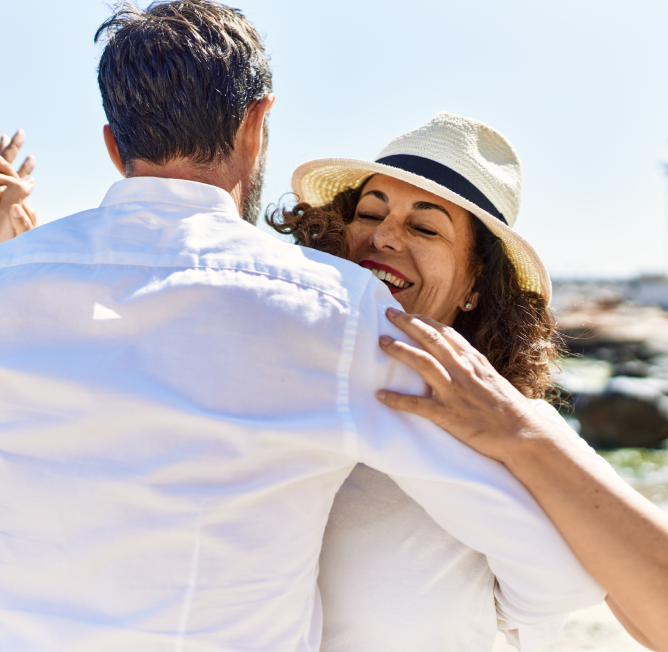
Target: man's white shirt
(181, 396)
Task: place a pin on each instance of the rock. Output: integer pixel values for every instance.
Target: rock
(636, 368)
(627, 414)
(619, 383)
(583, 376)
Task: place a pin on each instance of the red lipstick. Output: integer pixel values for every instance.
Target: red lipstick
(370, 264)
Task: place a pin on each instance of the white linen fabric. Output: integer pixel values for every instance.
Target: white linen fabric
(392, 580)
(181, 396)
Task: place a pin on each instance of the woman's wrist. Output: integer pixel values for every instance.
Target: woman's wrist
(533, 443)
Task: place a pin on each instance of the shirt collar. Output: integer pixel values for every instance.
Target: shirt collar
(170, 191)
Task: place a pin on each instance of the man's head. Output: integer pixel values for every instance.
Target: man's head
(186, 86)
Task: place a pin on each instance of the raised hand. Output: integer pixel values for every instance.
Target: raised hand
(16, 213)
(9, 149)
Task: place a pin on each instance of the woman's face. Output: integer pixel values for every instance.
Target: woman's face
(424, 241)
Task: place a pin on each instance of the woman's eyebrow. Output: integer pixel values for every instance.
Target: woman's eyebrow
(427, 206)
(376, 193)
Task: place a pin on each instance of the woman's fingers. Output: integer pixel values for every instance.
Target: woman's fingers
(11, 150)
(16, 190)
(27, 167)
(431, 370)
(30, 210)
(8, 152)
(467, 356)
(430, 338)
(21, 222)
(14, 221)
(450, 334)
(419, 405)
(15, 193)
(6, 168)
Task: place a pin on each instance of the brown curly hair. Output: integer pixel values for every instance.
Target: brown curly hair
(512, 327)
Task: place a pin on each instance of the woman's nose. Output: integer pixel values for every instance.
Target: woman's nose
(387, 235)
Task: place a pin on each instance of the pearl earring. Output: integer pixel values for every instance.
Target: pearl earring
(468, 306)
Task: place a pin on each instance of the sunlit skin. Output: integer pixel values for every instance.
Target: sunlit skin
(419, 237)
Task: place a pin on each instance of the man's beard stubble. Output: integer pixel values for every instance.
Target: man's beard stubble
(253, 202)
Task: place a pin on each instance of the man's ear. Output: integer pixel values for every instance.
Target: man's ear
(252, 129)
(112, 149)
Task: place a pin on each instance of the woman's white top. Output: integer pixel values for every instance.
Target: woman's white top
(392, 580)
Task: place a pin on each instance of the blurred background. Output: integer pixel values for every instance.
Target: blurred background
(580, 89)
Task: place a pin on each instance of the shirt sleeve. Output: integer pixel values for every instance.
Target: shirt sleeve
(474, 498)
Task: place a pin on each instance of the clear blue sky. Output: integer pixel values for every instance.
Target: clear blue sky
(579, 86)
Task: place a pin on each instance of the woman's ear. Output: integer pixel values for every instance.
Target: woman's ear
(470, 302)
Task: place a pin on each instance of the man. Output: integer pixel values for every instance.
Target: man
(182, 395)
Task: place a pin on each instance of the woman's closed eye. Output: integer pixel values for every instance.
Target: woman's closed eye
(370, 216)
(425, 229)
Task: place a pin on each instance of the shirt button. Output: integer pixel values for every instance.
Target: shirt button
(500, 623)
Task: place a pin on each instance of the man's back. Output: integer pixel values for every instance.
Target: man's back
(157, 440)
(181, 397)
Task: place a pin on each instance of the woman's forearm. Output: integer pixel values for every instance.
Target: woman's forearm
(619, 536)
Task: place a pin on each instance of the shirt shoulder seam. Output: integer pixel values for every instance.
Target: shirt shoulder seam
(351, 302)
(350, 432)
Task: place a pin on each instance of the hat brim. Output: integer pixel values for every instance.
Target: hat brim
(316, 183)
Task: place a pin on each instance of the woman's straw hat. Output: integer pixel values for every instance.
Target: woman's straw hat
(457, 158)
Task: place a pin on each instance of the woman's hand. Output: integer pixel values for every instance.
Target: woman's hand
(469, 399)
(619, 536)
(9, 150)
(16, 213)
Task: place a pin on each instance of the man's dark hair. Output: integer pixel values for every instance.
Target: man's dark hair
(177, 79)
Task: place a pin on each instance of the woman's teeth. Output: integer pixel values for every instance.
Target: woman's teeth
(390, 278)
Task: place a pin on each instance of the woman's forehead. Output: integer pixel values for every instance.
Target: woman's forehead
(398, 190)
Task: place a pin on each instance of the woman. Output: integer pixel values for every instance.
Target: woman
(431, 218)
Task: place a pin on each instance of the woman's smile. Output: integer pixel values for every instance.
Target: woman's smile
(394, 279)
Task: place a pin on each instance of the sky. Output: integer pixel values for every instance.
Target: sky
(580, 87)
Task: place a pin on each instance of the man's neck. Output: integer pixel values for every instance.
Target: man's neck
(228, 177)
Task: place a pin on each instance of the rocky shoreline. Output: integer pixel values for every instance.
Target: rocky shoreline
(615, 381)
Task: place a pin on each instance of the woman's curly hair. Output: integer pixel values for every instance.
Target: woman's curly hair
(512, 327)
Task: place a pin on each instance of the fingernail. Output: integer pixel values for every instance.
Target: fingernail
(392, 312)
(15, 211)
(382, 395)
(386, 339)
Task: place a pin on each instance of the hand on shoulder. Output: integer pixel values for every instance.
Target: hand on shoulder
(468, 397)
